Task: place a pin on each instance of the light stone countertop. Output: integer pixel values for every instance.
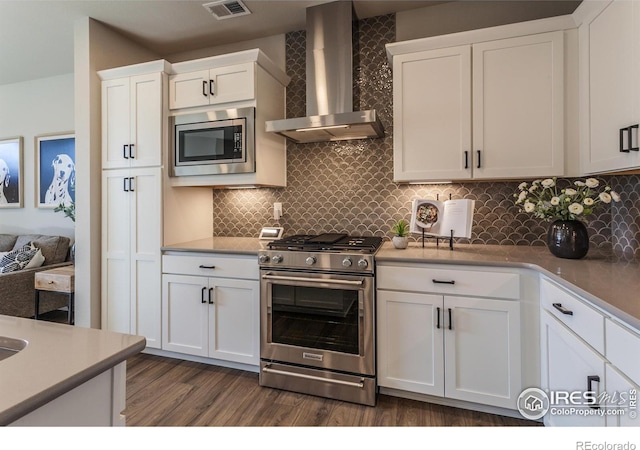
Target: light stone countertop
(57, 359)
(236, 245)
(608, 282)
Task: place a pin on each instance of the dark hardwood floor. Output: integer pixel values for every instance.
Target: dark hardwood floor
(170, 392)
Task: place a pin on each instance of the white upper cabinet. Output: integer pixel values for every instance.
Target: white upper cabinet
(210, 87)
(432, 115)
(132, 121)
(610, 70)
(489, 109)
(518, 107)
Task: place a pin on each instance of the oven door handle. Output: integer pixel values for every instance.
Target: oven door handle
(267, 369)
(359, 282)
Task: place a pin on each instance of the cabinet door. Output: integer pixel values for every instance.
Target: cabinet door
(115, 123)
(624, 394)
(567, 361)
(410, 346)
(184, 314)
(116, 265)
(232, 83)
(432, 115)
(610, 46)
(482, 350)
(234, 326)
(189, 89)
(146, 240)
(146, 120)
(518, 107)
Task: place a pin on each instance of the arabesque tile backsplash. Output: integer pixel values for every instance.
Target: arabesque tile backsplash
(348, 186)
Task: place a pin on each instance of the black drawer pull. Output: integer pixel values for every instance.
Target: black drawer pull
(630, 137)
(466, 159)
(443, 281)
(202, 295)
(210, 296)
(450, 320)
(562, 309)
(124, 151)
(438, 313)
(590, 380)
(479, 160)
(204, 88)
(207, 267)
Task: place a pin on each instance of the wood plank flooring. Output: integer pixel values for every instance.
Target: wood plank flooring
(170, 392)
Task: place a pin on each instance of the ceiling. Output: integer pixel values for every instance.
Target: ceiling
(36, 36)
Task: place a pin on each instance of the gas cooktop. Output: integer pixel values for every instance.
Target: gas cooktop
(327, 242)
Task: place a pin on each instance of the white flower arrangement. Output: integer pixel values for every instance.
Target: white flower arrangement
(546, 201)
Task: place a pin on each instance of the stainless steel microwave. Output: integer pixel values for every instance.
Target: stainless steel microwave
(214, 142)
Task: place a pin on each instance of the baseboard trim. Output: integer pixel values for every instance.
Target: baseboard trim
(200, 359)
(453, 403)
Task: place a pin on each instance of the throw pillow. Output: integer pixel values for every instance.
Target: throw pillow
(37, 261)
(17, 259)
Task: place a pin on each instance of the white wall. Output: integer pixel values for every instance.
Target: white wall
(29, 109)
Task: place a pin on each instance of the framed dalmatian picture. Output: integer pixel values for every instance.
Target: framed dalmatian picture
(11, 173)
(55, 170)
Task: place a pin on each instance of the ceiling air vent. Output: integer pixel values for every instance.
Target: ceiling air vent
(226, 9)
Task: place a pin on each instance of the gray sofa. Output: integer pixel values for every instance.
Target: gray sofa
(17, 292)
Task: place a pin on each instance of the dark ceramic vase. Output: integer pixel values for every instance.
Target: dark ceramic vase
(568, 239)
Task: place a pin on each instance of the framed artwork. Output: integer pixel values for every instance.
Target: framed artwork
(11, 173)
(55, 170)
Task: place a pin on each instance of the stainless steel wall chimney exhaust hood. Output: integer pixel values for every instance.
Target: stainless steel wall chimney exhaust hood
(329, 58)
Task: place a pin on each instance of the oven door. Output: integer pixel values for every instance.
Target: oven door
(318, 320)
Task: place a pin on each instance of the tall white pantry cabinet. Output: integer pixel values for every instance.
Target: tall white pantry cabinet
(134, 113)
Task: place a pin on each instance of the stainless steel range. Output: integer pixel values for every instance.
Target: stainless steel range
(317, 316)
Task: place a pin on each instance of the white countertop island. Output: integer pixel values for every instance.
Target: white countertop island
(66, 375)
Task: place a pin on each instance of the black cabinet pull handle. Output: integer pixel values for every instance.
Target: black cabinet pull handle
(438, 320)
(622, 149)
(212, 85)
(131, 184)
(443, 281)
(562, 309)
(210, 296)
(202, 295)
(124, 151)
(204, 88)
(630, 137)
(479, 160)
(450, 320)
(590, 380)
(131, 151)
(466, 159)
(202, 266)
(124, 184)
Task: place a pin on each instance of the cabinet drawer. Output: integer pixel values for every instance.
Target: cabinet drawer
(56, 280)
(623, 349)
(481, 283)
(227, 266)
(584, 320)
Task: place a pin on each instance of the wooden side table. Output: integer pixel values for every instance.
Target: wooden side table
(62, 280)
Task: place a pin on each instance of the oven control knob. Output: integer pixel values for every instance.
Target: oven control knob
(277, 259)
(263, 259)
(363, 263)
(346, 262)
(311, 260)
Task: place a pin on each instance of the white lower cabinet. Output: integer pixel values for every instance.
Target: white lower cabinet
(623, 395)
(459, 347)
(211, 317)
(569, 365)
